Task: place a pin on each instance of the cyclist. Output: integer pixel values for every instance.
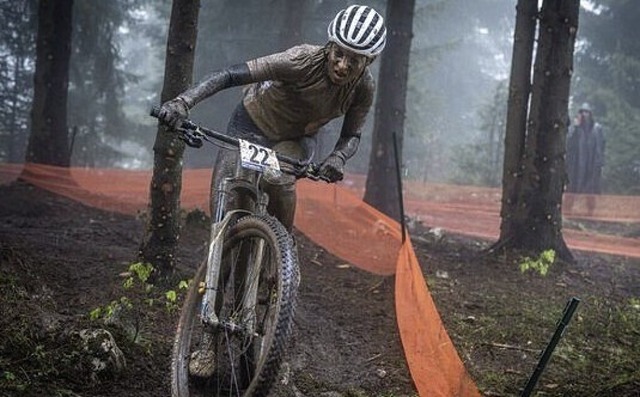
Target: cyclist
(291, 95)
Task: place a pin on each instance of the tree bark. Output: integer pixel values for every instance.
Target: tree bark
(517, 109)
(48, 142)
(14, 129)
(381, 190)
(162, 232)
(536, 222)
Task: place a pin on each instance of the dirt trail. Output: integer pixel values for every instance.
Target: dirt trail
(346, 338)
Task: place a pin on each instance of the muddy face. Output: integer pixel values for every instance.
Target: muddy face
(344, 65)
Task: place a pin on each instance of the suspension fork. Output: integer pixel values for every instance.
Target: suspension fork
(214, 257)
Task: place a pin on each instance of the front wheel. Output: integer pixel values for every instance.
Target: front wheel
(255, 305)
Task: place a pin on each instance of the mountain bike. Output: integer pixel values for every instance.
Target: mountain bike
(238, 313)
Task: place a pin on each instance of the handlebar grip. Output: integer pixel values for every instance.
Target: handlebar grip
(188, 124)
(312, 172)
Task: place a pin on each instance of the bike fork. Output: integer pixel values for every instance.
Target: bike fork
(252, 276)
(208, 314)
(212, 276)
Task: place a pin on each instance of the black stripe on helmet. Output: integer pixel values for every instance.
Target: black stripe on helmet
(367, 32)
(365, 11)
(348, 22)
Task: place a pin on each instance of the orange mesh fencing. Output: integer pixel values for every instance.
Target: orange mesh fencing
(341, 223)
(335, 217)
(436, 369)
(475, 211)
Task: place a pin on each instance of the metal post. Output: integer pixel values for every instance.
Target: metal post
(399, 176)
(546, 355)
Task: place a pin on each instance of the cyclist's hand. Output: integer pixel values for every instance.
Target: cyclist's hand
(173, 112)
(332, 168)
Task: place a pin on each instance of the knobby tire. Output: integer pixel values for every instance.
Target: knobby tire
(279, 279)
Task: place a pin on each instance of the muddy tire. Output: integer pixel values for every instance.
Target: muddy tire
(245, 365)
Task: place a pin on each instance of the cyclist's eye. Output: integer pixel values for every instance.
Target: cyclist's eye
(355, 62)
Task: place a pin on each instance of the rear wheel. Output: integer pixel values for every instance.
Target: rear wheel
(256, 322)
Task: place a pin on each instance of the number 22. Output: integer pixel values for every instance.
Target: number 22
(256, 151)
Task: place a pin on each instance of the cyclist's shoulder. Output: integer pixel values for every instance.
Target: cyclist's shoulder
(306, 48)
(302, 53)
(366, 83)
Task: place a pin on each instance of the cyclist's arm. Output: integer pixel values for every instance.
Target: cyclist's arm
(354, 119)
(219, 80)
(279, 66)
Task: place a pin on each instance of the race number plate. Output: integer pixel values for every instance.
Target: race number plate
(257, 157)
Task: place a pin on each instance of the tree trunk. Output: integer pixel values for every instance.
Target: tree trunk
(48, 142)
(162, 232)
(381, 189)
(536, 221)
(14, 130)
(516, 128)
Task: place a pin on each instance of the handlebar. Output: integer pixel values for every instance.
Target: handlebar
(194, 135)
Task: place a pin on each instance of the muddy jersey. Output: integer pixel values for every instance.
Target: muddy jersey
(294, 96)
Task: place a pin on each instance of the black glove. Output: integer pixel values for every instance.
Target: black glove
(332, 168)
(173, 112)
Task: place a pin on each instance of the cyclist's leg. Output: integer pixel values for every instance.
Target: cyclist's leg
(241, 126)
(282, 202)
(282, 189)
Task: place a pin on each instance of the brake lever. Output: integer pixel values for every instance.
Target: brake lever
(190, 136)
(191, 141)
(312, 171)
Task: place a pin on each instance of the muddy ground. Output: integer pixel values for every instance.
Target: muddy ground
(60, 260)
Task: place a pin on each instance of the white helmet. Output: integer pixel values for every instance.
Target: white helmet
(359, 29)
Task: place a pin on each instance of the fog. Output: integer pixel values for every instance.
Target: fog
(457, 89)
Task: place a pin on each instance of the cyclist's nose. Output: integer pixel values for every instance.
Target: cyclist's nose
(343, 64)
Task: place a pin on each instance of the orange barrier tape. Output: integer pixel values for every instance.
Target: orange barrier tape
(467, 210)
(435, 366)
(475, 211)
(341, 223)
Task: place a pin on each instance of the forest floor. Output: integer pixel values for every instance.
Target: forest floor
(60, 260)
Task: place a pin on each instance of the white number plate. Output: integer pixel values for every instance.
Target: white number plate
(257, 157)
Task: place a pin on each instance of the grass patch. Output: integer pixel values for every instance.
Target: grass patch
(597, 356)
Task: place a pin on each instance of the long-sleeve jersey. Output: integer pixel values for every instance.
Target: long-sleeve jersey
(293, 96)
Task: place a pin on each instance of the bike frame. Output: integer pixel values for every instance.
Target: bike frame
(245, 274)
(245, 183)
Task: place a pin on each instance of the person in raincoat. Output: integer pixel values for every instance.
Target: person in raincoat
(585, 159)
